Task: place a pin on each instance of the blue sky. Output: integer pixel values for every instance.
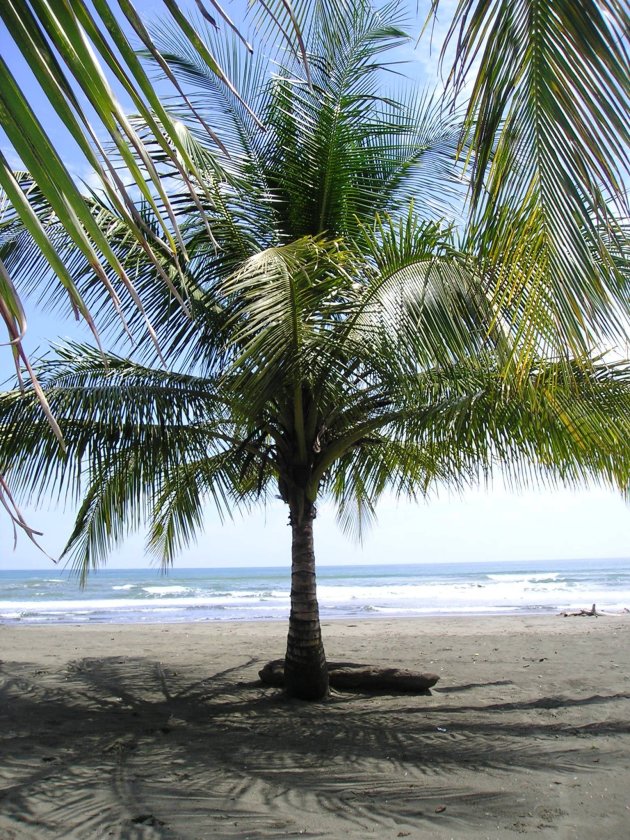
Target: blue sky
(493, 524)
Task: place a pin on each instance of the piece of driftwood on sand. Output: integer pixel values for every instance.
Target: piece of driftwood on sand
(350, 675)
(592, 612)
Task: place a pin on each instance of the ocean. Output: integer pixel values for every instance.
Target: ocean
(252, 594)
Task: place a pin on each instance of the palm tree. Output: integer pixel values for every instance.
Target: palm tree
(343, 339)
(548, 113)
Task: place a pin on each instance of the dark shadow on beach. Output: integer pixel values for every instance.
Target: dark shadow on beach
(126, 748)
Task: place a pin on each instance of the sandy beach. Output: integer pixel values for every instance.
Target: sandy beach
(163, 731)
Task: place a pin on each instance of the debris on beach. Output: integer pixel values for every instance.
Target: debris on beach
(591, 612)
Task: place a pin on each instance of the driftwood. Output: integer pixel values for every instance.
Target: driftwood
(363, 677)
(591, 612)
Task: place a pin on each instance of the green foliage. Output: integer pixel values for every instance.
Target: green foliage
(345, 328)
(548, 118)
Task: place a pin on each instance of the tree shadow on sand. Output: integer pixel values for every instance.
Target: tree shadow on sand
(125, 748)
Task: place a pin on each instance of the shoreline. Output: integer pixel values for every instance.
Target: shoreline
(364, 616)
(163, 731)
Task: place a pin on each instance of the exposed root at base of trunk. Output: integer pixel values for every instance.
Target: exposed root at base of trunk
(349, 675)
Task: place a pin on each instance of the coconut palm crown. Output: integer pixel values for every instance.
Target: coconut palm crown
(343, 339)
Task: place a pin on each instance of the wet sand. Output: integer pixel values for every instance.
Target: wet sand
(163, 731)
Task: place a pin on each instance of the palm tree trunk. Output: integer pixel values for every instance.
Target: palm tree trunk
(305, 669)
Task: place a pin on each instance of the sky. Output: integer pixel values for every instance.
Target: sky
(480, 525)
(494, 526)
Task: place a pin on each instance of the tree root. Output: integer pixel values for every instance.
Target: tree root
(349, 675)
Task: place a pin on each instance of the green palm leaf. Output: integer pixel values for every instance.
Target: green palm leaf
(52, 34)
(548, 119)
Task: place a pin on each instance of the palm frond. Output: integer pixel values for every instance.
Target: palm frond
(325, 162)
(207, 100)
(67, 48)
(548, 119)
(424, 294)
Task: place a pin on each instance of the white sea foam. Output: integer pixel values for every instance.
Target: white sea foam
(165, 590)
(415, 599)
(263, 594)
(525, 577)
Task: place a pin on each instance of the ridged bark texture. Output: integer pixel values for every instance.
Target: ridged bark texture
(305, 669)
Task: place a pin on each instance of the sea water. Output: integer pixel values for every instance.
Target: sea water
(244, 594)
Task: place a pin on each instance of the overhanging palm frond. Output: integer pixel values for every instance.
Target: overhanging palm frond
(548, 119)
(66, 30)
(74, 52)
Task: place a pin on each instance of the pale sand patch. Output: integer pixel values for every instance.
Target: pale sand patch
(162, 731)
